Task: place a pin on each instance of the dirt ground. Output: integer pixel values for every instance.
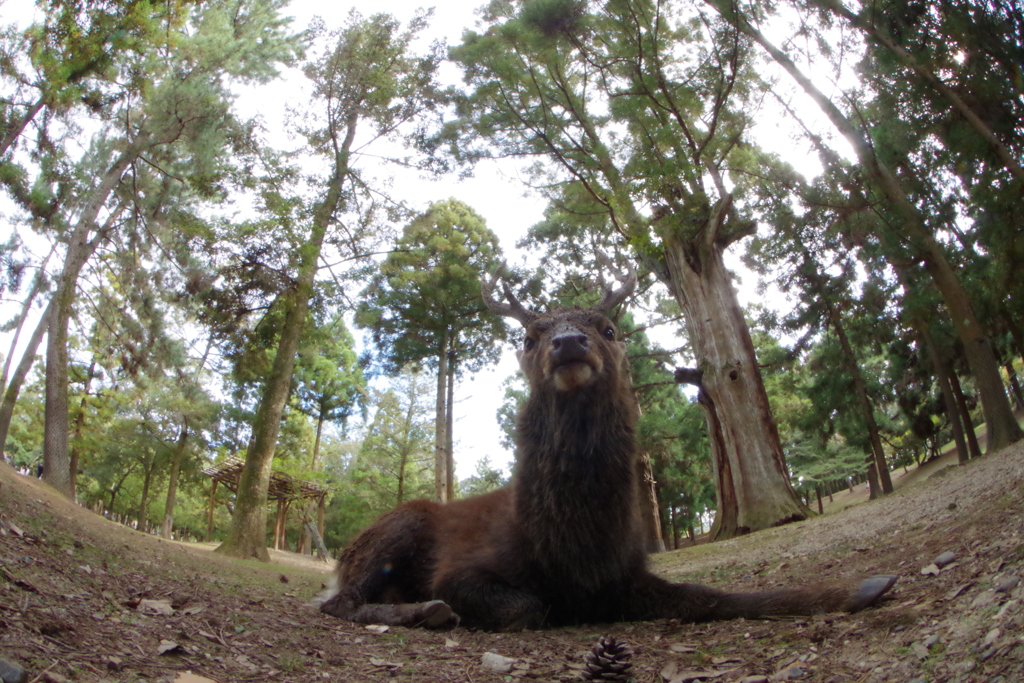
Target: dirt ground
(84, 599)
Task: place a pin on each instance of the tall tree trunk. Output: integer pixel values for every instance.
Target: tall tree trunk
(1003, 428)
(965, 415)
(874, 488)
(81, 245)
(147, 480)
(177, 458)
(449, 429)
(751, 482)
(946, 388)
(441, 491)
(79, 428)
(649, 513)
(247, 536)
(20, 373)
(1018, 393)
(866, 408)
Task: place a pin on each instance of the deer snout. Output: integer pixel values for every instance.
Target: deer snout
(566, 348)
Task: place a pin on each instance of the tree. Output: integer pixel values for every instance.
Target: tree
(367, 78)
(177, 118)
(638, 107)
(912, 229)
(424, 305)
(395, 458)
(330, 382)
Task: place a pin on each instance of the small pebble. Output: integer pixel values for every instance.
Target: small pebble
(944, 559)
(1007, 584)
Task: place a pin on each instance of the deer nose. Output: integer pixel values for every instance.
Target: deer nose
(569, 347)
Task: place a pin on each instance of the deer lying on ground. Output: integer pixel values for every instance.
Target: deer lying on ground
(562, 544)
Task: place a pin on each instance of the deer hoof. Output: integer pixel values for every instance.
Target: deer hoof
(437, 614)
(870, 590)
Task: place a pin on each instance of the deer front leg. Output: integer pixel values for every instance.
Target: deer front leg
(347, 605)
(485, 600)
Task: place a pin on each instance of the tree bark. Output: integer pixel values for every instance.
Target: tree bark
(649, 513)
(946, 388)
(751, 481)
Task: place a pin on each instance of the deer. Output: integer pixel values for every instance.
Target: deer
(562, 543)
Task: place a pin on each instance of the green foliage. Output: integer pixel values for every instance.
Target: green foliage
(425, 298)
(485, 479)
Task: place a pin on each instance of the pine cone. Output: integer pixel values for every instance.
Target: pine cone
(608, 661)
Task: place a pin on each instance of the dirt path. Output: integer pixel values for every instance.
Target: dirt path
(84, 599)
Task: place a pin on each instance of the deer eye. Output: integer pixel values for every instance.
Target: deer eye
(529, 343)
(609, 333)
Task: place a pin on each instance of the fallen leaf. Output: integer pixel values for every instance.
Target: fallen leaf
(930, 569)
(166, 646)
(449, 643)
(919, 649)
(189, 677)
(377, 661)
(377, 628)
(682, 648)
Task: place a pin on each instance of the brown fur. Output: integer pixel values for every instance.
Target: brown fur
(563, 543)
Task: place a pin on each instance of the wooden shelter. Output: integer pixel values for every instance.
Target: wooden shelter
(284, 490)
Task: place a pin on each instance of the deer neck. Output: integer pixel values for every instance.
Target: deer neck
(575, 482)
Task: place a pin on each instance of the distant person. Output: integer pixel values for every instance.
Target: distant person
(39, 471)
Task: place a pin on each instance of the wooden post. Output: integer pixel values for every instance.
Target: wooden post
(209, 511)
(321, 513)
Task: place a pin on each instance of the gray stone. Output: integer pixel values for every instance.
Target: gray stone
(12, 673)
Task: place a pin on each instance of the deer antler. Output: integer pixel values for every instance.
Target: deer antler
(614, 297)
(512, 309)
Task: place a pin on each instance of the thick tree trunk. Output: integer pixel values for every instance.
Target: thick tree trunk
(247, 535)
(751, 481)
(441, 491)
